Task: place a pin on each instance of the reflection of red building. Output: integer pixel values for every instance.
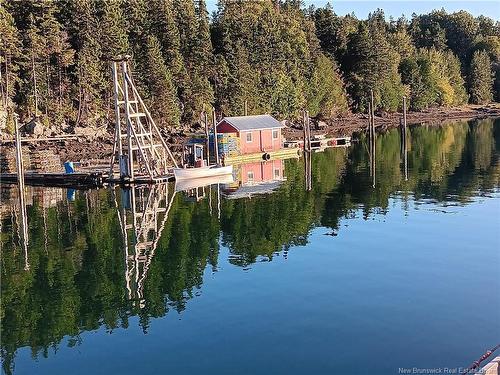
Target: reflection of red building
(252, 173)
(256, 178)
(260, 133)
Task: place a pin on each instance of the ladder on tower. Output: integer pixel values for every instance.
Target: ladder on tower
(139, 149)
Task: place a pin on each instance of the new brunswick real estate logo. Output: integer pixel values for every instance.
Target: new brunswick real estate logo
(436, 370)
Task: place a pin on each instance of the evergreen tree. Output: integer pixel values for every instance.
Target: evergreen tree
(113, 38)
(91, 78)
(373, 66)
(480, 79)
(162, 97)
(202, 68)
(10, 49)
(327, 97)
(427, 31)
(165, 28)
(399, 38)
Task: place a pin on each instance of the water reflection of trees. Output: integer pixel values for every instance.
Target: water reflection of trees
(76, 281)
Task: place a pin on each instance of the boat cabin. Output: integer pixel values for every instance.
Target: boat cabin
(259, 133)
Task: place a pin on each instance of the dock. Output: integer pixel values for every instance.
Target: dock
(320, 142)
(80, 180)
(68, 180)
(263, 156)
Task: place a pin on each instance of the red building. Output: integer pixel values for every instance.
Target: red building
(260, 133)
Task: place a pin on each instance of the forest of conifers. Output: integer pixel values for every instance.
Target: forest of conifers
(277, 55)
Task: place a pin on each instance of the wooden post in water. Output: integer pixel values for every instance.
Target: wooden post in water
(304, 128)
(404, 112)
(21, 188)
(372, 105)
(207, 134)
(19, 162)
(309, 146)
(307, 131)
(216, 146)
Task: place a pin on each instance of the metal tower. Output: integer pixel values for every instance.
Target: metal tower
(139, 148)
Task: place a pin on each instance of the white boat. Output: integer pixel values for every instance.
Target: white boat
(200, 172)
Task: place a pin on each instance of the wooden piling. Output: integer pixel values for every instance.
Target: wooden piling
(307, 142)
(372, 112)
(20, 185)
(216, 146)
(207, 135)
(19, 163)
(404, 112)
(308, 131)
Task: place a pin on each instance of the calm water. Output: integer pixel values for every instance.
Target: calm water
(346, 278)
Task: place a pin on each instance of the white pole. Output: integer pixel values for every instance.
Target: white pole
(129, 124)
(20, 184)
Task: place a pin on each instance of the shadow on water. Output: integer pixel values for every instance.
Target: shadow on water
(104, 256)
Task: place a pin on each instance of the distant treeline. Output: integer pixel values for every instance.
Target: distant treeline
(276, 55)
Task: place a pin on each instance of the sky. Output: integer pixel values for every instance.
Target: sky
(396, 8)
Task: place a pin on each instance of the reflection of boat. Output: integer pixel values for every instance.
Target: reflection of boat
(202, 172)
(193, 183)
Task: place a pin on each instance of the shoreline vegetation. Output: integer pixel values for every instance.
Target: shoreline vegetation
(85, 148)
(277, 56)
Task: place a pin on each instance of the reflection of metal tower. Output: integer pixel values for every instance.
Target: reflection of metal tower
(142, 216)
(139, 148)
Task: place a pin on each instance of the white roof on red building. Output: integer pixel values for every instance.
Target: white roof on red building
(253, 122)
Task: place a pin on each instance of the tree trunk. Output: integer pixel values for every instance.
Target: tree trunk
(35, 94)
(2, 94)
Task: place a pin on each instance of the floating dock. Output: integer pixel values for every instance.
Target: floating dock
(263, 156)
(82, 180)
(321, 142)
(73, 180)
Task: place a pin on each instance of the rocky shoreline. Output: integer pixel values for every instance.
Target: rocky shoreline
(90, 144)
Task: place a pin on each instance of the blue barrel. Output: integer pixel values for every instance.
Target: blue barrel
(69, 167)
